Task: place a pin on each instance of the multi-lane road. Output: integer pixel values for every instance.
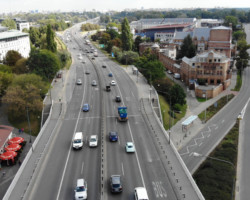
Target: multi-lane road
(62, 166)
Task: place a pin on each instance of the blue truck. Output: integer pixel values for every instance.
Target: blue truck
(122, 114)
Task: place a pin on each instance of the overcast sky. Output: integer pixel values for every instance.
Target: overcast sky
(105, 5)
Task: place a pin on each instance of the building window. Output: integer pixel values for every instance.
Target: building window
(210, 60)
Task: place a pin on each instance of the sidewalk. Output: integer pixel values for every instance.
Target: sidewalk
(178, 137)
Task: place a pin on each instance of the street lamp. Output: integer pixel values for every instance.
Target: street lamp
(27, 108)
(195, 154)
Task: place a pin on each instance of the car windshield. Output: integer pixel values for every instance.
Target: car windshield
(116, 185)
(77, 141)
(80, 189)
(92, 140)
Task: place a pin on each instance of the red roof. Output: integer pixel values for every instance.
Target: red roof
(169, 26)
(5, 131)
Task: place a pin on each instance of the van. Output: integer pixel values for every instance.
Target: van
(177, 76)
(77, 142)
(141, 193)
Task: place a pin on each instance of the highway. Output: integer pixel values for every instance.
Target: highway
(217, 127)
(61, 166)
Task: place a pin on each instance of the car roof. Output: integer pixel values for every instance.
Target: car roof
(113, 133)
(116, 179)
(93, 136)
(86, 104)
(130, 143)
(80, 182)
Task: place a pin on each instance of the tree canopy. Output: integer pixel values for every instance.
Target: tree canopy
(126, 36)
(51, 44)
(10, 23)
(43, 63)
(12, 57)
(187, 48)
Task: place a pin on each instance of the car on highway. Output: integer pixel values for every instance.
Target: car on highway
(85, 107)
(93, 141)
(113, 83)
(83, 61)
(110, 74)
(87, 72)
(77, 141)
(94, 83)
(93, 58)
(141, 193)
(130, 148)
(104, 66)
(118, 99)
(115, 184)
(81, 189)
(113, 136)
(79, 81)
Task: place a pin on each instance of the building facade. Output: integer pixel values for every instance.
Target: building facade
(14, 40)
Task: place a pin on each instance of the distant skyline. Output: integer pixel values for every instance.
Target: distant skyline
(7, 6)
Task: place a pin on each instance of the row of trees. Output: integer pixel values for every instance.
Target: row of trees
(89, 27)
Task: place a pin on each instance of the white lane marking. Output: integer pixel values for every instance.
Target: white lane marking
(119, 140)
(200, 144)
(133, 94)
(89, 121)
(159, 190)
(208, 135)
(82, 167)
(69, 151)
(222, 121)
(122, 170)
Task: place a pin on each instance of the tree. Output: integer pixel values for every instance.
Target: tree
(238, 35)
(243, 55)
(177, 95)
(187, 48)
(43, 63)
(10, 23)
(129, 57)
(231, 20)
(105, 38)
(113, 33)
(138, 41)
(21, 66)
(51, 44)
(34, 36)
(12, 57)
(126, 36)
(5, 80)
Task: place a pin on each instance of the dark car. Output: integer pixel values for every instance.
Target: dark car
(118, 99)
(110, 74)
(104, 66)
(115, 183)
(113, 136)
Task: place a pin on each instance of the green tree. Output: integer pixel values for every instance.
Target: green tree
(238, 35)
(10, 23)
(129, 57)
(105, 38)
(34, 36)
(43, 63)
(138, 41)
(5, 80)
(21, 66)
(231, 20)
(51, 44)
(12, 57)
(126, 36)
(177, 95)
(187, 48)
(113, 33)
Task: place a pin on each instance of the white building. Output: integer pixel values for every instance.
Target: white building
(14, 40)
(22, 24)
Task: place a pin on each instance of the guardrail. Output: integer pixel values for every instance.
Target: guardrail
(189, 176)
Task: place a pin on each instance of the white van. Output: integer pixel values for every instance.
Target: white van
(177, 76)
(77, 142)
(141, 193)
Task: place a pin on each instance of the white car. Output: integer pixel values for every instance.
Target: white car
(93, 141)
(130, 148)
(113, 82)
(81, 189)
(94, 83)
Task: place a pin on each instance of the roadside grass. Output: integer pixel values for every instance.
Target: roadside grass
(60, 45)
(238, 83)
(215, 178)
(212, 110)
(165, 111)
(199, 99)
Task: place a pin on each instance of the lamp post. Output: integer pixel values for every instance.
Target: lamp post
(195, 154)
(27, 108)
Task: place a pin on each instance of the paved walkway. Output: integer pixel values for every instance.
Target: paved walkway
(178, 137)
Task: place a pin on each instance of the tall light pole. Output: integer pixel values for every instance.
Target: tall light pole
(27, 108)
(220, 160)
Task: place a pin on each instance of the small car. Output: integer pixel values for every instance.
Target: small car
(116, 184)
(87, 72)
(113, 83)
(110, 74)
(118, 99)
(93, 141)
(169, 72)
(113, 136)
(104, 66)
(93, 58)
(83, 61)
(79, 81)
(130, 148)
(85, 107)
(81, 189)
(94, 83)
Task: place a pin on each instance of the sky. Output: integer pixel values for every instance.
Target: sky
(7, 6)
